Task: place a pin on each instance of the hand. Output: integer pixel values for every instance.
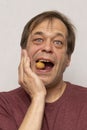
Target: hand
(28, 79)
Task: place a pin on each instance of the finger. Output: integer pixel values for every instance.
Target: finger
(20, 70)
(26, 63)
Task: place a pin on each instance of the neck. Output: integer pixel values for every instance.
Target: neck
(56, 92)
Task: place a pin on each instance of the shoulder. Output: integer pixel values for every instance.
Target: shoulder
(77, 88)
(13, 96)
(13, 105)
(12, 93)
(77, 92)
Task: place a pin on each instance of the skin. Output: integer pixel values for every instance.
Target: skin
(48, 42)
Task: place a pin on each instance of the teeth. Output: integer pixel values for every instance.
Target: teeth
(43, 61)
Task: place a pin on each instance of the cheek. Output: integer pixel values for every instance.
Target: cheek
(31, 52)
(62, 60)
(60, 56)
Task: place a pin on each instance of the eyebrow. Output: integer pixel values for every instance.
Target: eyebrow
(42, 33)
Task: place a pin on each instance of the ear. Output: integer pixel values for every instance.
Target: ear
(68, 60)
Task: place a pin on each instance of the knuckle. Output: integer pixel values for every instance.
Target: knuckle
(26, 70)
(20, 81)
(19, 67)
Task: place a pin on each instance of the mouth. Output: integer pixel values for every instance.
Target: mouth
(44, 64)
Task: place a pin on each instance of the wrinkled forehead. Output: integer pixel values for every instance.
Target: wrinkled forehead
(51, 26)
(51, 23)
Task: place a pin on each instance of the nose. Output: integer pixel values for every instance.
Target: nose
(47, 47)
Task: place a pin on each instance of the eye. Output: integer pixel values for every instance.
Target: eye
(58, 43)
(38, 40)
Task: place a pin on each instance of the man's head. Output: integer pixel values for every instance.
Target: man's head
(49, 38)
(49, 15)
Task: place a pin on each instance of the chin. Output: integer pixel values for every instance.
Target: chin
(47, 83)
(44, 80)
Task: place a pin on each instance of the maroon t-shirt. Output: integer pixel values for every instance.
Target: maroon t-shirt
(67, 113)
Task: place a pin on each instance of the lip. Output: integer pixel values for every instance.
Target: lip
(43, 72)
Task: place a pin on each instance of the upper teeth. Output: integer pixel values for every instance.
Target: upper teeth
(43, 60)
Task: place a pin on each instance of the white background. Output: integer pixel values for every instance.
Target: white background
(13, 16)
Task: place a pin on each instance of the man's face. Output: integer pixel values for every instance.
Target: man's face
(48, 43)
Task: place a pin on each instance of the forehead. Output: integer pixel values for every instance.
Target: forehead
(51, 26)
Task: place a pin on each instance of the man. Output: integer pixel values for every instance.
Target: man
(44, 101)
